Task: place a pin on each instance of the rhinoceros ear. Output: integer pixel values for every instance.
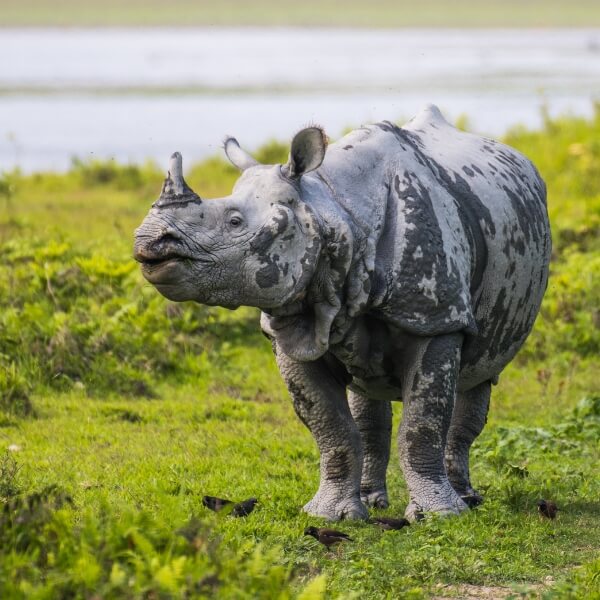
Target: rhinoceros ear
(307, 151)
(239, 158)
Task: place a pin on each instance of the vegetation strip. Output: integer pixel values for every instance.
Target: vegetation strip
(378, 13)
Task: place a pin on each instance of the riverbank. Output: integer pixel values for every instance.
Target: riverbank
(277, 13)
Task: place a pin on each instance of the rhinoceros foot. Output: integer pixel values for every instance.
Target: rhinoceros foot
(375, 498)
(336, 508)
(445, 502)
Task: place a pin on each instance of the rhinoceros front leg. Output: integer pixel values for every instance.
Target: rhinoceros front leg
(320, 402)
(429, 390)
(468, 420)
(374, 421)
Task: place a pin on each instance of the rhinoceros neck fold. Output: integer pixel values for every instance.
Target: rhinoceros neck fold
(338, 289)
(351, 224)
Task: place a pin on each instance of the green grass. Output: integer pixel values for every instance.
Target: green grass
(381, 13)
(119, 410)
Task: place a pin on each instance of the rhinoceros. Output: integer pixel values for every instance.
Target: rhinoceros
(399, 263)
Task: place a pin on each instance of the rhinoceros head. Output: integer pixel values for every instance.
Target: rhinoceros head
(257, 247)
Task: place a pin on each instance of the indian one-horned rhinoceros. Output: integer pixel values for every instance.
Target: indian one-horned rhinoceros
(400, 263)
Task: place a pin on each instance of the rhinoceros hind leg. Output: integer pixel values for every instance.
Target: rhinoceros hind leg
(429, 390)
(320, 402)
(374, 421)
(468, 420)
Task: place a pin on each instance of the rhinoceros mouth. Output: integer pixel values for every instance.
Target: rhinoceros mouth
(164, 270)
(157, 262)
(153, 262)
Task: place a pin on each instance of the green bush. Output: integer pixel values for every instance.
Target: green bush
(47, 550)
(104, 173)
(80, 318)
(569, 321)
(567, 154)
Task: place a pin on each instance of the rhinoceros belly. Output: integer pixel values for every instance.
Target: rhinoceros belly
(369, 355)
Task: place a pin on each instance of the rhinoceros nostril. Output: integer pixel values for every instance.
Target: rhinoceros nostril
(168, 238)
(166, 247)
(167, 243)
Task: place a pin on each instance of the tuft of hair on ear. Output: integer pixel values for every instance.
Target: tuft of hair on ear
(313, 125)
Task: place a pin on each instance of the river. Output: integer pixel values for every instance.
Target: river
(137, 94)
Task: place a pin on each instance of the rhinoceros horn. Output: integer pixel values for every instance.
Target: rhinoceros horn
(175, 190)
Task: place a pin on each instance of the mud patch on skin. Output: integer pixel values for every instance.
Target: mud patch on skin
(428, 411)
(298, 396)
(339, 464)
(429, 285)
(303, 405)
(268, 276)
(267, 235)
(416, 439)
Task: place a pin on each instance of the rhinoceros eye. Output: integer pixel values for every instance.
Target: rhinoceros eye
(235, 221)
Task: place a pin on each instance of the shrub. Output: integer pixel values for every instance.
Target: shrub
(46, 552)
(72, 317)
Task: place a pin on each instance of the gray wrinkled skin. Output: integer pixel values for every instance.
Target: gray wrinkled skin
(400, 263)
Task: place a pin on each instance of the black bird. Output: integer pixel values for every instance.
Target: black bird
(388, 523)
(472, 500)
(547, 508)
(327, 537)
(215, 503)
(243, 509)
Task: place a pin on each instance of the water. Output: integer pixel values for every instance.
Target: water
(133, 94)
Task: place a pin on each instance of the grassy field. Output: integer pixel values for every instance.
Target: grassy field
(378, 13)
(119, 410)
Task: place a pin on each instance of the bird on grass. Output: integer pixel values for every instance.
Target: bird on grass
(243, 509)
(547, 508)
(327, 537)
(473, 500)
(239, 509)
(214, 503)
(388, 523)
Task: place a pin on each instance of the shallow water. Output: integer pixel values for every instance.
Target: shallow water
(132, 94)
